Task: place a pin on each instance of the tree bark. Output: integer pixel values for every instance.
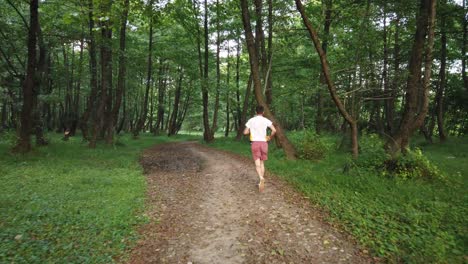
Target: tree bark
(214, 126)
(161, 95)
(439, 99)
(144, 112)
(288, 148)
(106, 74)
(327, 75)
(226, 132)
(175, 112)
(121, 74)
(464, 45)
(245, 107)
(93, 72)
(24, 140)
(207, 134)
(412, 118)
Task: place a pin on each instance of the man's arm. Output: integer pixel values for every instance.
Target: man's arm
(273, 130)
(246, 131)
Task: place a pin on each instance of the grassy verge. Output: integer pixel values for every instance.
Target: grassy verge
(65, 203)
(399, 220)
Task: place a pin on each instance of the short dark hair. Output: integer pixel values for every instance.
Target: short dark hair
(259, 109)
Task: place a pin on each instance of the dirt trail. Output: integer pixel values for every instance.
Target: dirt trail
(204, 207)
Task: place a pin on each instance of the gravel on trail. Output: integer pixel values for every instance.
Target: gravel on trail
(204, 207)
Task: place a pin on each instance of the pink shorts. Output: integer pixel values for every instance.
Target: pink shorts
(259, 150)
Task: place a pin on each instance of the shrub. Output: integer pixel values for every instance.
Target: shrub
(371, 152)
(311, 146)
(412, 165)
(8, 137)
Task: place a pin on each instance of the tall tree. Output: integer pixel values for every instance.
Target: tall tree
(106, 72)
(331, 86)
(93, 72)
(416, 103)
(143, 115)
(207, 133)
(24, 140)
(255, 70)
(121, 74)
(464, 45)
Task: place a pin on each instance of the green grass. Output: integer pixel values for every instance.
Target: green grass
(409, 221)
(65, 203)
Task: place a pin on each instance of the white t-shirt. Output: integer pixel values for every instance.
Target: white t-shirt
(258, 128)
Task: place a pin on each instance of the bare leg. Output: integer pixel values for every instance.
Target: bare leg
(260, 167)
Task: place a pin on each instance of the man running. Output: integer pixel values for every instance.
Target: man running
(257, 127)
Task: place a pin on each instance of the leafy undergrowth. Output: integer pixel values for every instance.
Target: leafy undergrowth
(65, 203)
(399, 220)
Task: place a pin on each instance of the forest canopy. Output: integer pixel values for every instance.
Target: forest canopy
(101, 67)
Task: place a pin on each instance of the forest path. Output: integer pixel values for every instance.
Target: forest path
(204, 207)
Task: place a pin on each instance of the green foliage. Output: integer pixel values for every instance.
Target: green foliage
(371, 152)
(310, 146)
(65, 203)
(412, 165)
(8, 137)
(399, 221)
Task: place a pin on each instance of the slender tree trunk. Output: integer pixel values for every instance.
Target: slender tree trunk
(390, 103)
(245, 107)
(238, 109)
(254, 65)
(464, 46)
(121, 74)
(175, 112)
(319, 119)
(24, 140)
(42, 76)
(214, 126)
(442, 74)
(226, 132)
(93, 72)
(269, 82)
(331, 86)
(161, 95)
(207, 133)
(144, 112)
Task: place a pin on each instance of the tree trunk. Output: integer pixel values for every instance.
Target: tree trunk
(238, 109)
(93, 73)
(144, 112)
(121, 74)
(207, 134)
(327, 75)
(268, 81)
(245, 107)
(412, 119)
(464, 44)
(226, 132)
(254, 66)
(319, 120)
(390, 103)
(439, 108)
(106, 74)
(161, 95)
(40, 83)
(24, 140)
(175, 112)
